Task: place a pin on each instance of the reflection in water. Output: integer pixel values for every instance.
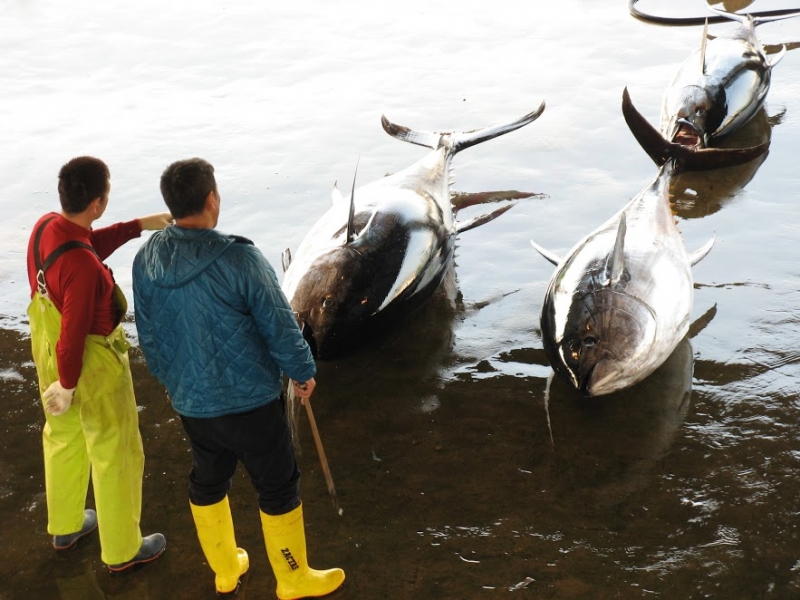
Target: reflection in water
(417, 350)
(421, 345)
(78, 581)
(451, 487)
(701, 193)
(607, 446)
(732, 5)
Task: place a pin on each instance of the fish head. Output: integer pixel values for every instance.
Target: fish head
(607, 338)
(688, 109)
(332, 299)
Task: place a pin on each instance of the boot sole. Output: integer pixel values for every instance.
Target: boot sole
(331, 593)
(132, 564)
(75, 541)
(235, 590)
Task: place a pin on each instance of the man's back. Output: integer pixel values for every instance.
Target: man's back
(213, 323)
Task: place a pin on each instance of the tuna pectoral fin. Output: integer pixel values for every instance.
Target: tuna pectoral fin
(686, 158)
(777, 58)
(462, 200)
(701, 252)
(462, 226)
(552, 258)
(336, 195)
(286, 259)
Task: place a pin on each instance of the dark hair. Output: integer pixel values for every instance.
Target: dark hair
(80, 181)
(185, 185)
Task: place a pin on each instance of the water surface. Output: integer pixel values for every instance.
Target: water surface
(455, 480)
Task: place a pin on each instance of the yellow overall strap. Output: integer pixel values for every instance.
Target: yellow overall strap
(42, 266)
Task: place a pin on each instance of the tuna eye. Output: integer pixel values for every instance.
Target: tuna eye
(328, 301)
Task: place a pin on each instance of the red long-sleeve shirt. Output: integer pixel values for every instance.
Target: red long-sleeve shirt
(79, 284)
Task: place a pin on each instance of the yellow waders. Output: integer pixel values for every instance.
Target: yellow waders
(98, 434)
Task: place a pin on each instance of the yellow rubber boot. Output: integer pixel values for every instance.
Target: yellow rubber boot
(285, 538)
(215, 532)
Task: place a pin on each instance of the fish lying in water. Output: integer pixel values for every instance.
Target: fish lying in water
(619, 302)
(372, 261)
(719, 87)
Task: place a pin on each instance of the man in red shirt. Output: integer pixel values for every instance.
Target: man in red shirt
(81, 356)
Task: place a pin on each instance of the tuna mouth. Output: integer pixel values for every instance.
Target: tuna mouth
(308, 336)
(687, 135)
(586, 381)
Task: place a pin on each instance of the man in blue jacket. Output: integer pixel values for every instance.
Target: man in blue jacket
(218, 332)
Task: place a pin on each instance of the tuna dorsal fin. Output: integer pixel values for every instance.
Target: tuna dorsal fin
(286, 259)
(336, 195)
(351, 217)
(703, 48)
(701, 252)
(615, 265)
(551, 258)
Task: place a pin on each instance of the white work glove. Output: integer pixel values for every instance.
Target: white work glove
(57, 398)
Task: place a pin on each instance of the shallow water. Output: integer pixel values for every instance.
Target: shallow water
(455, 479)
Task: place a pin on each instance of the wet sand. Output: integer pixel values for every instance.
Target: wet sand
(379, 540)
(453, 486)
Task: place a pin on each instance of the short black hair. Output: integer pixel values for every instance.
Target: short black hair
(80, 181)
(185, 185)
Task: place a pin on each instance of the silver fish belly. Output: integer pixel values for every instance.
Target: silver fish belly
(619, 303)
(370, 262)
(718, 88)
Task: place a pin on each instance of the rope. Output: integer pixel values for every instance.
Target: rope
(686, 21)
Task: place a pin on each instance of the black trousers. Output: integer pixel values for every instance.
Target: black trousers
(261, 439)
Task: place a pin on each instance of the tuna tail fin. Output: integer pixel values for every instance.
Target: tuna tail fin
(552, 258)
(730, 15)
(762, 17)
(686, 158)
(420, 138)
(769, 19)
(457, 141)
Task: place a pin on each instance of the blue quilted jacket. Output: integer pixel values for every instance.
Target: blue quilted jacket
(213, 323)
